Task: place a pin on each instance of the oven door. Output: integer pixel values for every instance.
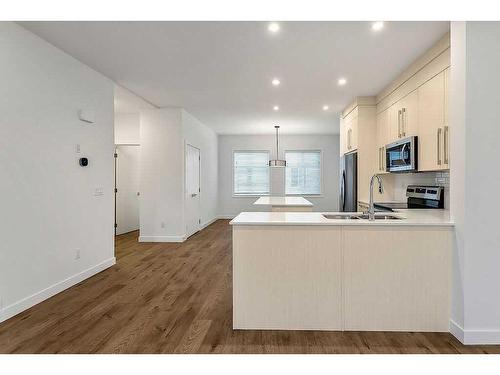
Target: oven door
(401, 156)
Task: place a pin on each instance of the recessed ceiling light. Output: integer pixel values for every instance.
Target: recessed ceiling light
(275, 82)
(273, 27)
(326, 108)
(342, 81)
(377, 26)
(276, 108)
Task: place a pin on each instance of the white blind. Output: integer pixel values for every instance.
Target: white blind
(251, 172)
(303, 172)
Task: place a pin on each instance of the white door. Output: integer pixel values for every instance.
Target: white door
(127, 189)
(192, 207)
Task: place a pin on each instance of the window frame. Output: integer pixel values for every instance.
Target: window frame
(252, 195)
(321, 187)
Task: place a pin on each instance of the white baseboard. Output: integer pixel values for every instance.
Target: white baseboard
(474, 337)
(27, 302)
(457, 331)
(225, 217)
(206, 224)
(162, 238)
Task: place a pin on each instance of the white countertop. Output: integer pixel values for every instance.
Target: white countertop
(283, 201)
(410, 217)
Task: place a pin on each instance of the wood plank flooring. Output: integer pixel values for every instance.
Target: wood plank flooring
(177, 298)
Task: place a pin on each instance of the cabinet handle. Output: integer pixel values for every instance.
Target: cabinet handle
(383, 159)
(445, 145)
(399, 123)
(439, 145)
(403, 121)
(380, 158)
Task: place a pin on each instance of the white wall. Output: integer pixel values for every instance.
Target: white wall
(161, 175)
(475, 180)
(49, 210)
(163, 135)
(201, 136)
(329, 144)
(127, 128)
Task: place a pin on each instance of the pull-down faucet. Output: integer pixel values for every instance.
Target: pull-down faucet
(371, 207)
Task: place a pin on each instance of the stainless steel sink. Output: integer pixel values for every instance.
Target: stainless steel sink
(360, 216)
(341, 217)
(381, 217)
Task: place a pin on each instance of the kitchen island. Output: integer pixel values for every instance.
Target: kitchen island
(303, 271)
(285, 204)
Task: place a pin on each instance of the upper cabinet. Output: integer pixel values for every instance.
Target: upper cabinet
(349, 132)
(403, 117)
(383, 138)
(433, 135)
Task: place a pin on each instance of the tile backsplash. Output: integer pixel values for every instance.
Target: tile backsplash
(401, 181)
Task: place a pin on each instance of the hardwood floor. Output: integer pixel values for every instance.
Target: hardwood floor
(177, 298)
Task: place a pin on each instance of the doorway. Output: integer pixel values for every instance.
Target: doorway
(126, 188)
(192, 199)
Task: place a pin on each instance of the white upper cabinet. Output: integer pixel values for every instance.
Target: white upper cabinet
(409, 114)
(382, 139)
(432, 146)
(349, 132)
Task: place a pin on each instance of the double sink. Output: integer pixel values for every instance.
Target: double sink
(356, 216)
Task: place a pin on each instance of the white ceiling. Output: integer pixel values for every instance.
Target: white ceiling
(221, 71)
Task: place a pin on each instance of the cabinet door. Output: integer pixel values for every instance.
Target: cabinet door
(394, 122)
(354, 134)
(446, 131)
(431, 124)
(343, 136)
(409, 114)
(382, 139)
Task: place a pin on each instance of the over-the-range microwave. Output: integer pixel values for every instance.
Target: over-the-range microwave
(402, 155)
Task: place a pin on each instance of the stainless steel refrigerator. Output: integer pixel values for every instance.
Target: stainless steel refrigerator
(349, 182)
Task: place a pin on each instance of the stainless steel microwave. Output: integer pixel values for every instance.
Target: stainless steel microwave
(402, 155)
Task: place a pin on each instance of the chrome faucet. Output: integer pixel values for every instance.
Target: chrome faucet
(371, 207)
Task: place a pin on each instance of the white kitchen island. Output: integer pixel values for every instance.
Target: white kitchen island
(302, 271)
(285, 204)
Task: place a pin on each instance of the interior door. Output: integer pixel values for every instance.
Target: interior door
(127, 189)
(192, 206)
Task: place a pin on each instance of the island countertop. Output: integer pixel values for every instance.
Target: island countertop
(420, 217)
(283, 201)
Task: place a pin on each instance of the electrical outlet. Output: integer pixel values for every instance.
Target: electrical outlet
(77, 254)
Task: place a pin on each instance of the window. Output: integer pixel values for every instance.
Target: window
(303, 172)
(251, 172)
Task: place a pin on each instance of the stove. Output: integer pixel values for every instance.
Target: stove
(418, 197)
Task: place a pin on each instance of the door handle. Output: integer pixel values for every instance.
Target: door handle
(445, 144)
(194, 195)
(439, 145)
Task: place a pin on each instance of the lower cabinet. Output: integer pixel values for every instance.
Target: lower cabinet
(397, 278)
(333, 277)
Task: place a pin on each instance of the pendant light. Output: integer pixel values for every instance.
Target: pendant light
(277, 162)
